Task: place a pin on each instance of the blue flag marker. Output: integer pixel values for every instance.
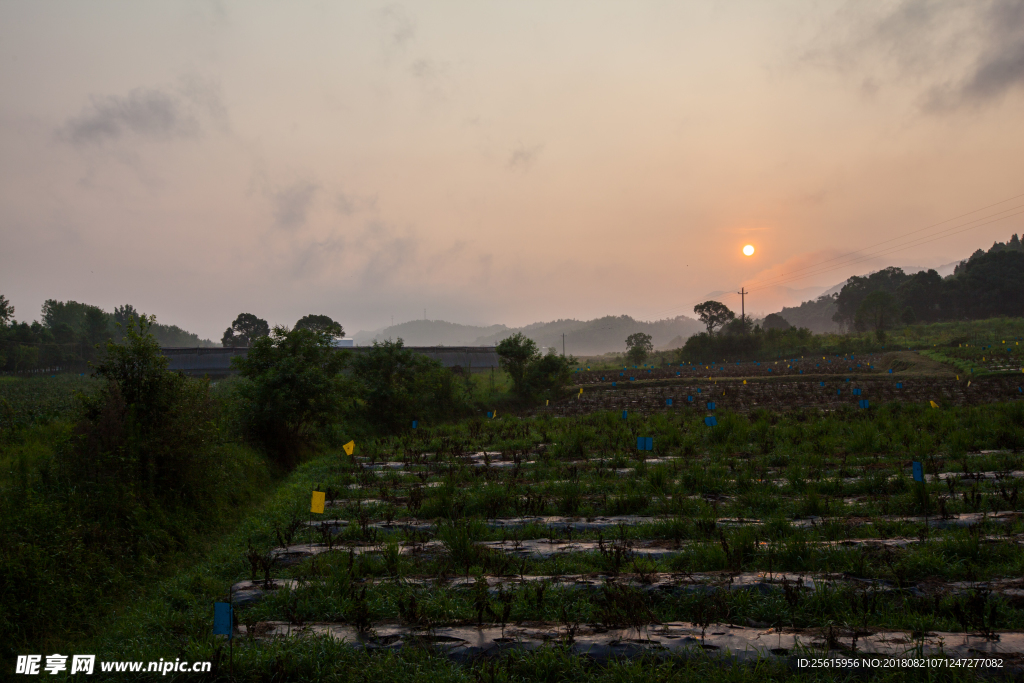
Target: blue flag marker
(918, 471)
(690, 399)
(711, 405)
(414, 423)
(856, 392)
(899, 385)
(614, 383)
(863, 403)
(640, 443)
(649, 443)
(711, 421)
(624, 414)
(821, 384)
(839, 392)
(223, 619)
(631, 379)
(668, 402)
(890, 371)
(490, 415)
(698, 391)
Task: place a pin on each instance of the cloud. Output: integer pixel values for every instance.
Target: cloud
(523, 157)
(398, 28)
(951, 54)
(348, 204)
(999, 66)
(292, 204)
(149, 113)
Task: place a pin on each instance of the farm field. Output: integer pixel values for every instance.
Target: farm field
(506, 546)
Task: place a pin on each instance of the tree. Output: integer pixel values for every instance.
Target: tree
(245, 330)
(294, 386)
(738, 326)
(148, 432)
(639, 346)
(774, 321)
(547, 376)
(122, 314)
(878, 311)
(398, 385)
(6, 310)
(320, 323)
(992, 284)
(515, 354)
(97, 329)
(713, 314)
(925, 294)
(857, 288)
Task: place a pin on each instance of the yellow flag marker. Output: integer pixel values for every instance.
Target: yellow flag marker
(349, 448)
(494, 414)
(547, 401)
(317, 504)
(968, 382)
(744, 381)
(958, 378)
(581, 390)
(934, 404)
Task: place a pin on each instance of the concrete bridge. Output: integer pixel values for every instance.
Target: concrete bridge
(216, 361)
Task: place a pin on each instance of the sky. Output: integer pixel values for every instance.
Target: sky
(496, 162)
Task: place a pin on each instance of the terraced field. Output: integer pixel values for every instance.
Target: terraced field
(768, 538)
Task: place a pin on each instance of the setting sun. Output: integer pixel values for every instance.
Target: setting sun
(748, 250)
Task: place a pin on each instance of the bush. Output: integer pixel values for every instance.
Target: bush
(294, 389)
(398, 385)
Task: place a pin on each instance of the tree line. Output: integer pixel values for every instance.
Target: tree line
(986, 285)
(67, 334)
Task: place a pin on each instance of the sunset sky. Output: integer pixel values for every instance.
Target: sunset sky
(494, 162)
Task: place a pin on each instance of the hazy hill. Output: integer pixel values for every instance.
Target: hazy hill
(602, 335)
(431, 333)
(582, 337)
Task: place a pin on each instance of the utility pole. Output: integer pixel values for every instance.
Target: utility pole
(743, 313)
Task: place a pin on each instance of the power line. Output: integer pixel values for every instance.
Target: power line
(860, 256)
(929, 227)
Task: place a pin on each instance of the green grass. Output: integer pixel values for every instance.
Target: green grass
(975, 333)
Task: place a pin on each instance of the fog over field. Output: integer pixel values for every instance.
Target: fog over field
(494, 163)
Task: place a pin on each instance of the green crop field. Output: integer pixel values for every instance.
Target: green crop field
(546, 543)
(729, 521)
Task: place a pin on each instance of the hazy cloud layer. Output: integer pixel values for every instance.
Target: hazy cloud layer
(950, 53)
(491, 162)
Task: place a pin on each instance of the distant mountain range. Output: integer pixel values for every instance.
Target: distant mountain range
(582, 337)
(608, 334)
